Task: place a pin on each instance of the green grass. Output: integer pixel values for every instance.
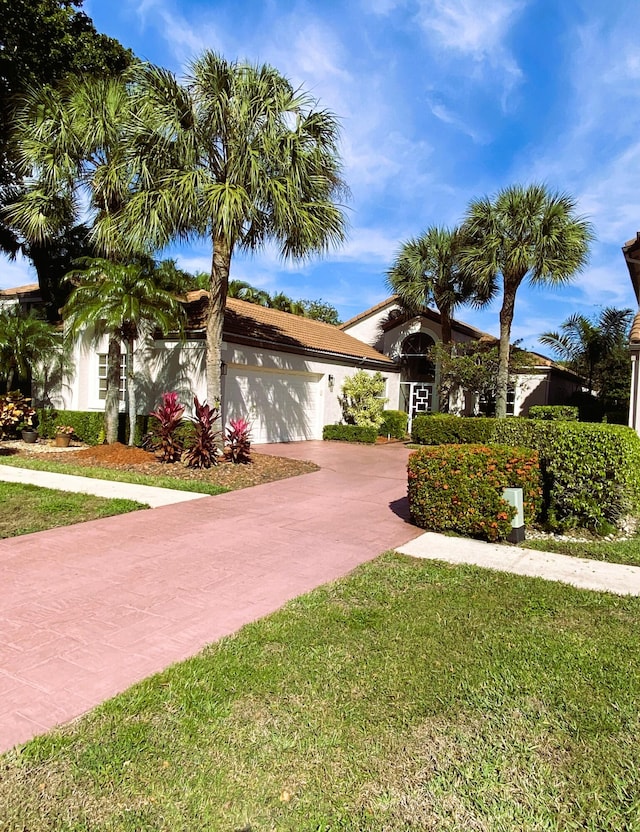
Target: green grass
(613, 551)
(412, 695)
(95, 472)
(28, 508)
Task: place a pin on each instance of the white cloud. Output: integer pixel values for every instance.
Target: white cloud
(476, 29)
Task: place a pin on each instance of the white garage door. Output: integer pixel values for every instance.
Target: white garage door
(282, 407)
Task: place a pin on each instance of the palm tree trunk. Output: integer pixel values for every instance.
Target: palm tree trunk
(506, 319)
(445, 326)
(131, 392)
(112, 399)
(10, 377)
(220, 265)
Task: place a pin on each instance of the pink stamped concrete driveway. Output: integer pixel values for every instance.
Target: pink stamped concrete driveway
(88, 610)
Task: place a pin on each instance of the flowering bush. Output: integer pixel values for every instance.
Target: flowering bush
(239, 444)
(166, 446)
(64, 430)
(15, 413)
(363, 399)
(459, 488)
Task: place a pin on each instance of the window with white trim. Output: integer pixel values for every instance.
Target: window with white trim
(102, 376)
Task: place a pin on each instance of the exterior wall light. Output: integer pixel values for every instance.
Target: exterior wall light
(223, 368)
(330, 381)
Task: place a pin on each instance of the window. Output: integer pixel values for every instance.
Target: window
(414, 358)
(511, 400)
(102, 376)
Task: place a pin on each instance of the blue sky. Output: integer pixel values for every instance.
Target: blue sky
(440, 101)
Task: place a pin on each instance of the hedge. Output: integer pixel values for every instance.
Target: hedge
(88, 425)
(591, 472)
(459, 488)
(350, 433)
(554, 413)
(394, 424)
(444, 429)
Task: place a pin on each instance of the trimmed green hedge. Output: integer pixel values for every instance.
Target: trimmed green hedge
(444, 429)
(350, 433)
(394, 424)
(88, 425)
(591, 472)
(554, 413)
(459, 488)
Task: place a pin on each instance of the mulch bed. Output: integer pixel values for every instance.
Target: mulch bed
(262, 468)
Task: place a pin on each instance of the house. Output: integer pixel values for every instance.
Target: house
(631, 253)
(28, 296)
(407, 338)
(285, 372)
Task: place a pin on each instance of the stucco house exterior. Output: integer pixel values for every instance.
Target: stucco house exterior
(407, 338)
(285, 372)
(631, 253)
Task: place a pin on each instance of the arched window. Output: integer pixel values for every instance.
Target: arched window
(414, 360)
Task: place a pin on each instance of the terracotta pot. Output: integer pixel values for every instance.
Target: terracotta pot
(29, 435)
(62, 440)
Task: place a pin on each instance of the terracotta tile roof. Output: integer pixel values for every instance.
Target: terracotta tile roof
(28, 288)
(631, 252)
(634, 335)
(257, 324)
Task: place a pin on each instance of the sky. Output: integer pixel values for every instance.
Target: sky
(440, 102)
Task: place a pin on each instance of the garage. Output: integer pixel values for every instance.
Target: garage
(281, 406)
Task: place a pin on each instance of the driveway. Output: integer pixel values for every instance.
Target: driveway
(88, 610)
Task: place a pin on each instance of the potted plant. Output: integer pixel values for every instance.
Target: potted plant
(27, 428)
(63, 436)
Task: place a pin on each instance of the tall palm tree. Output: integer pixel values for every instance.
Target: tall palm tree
(26, 340)
(238, 156)
(245, 291)
(123, 301)
(426, 270)
(522, 232)
(72, 142)
(584, 343)
(286, 304)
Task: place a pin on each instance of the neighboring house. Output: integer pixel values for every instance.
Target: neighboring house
(27, 296)
(407, 339)
(631, 252)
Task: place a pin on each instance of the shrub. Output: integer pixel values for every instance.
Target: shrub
(15, 413)
(166, 446)
(394, 424)
(459, 488)
(88, 426)
(203, 453)
(362, 402)
(239, 445)
(554, 413)
(350, 433)
(444, 429)
(591, 472)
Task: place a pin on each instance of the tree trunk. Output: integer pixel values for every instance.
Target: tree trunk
(506, 318)
(10, 377)
(131, 392)
(445, 326)
(112, 399)
(220, 265)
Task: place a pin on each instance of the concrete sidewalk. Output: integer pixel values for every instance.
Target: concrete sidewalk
(149, 495)
(580, 572)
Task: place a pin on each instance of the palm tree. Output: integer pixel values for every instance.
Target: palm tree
(426, 270)
(584, 344)
(123, 301)
(522, 232)
(245, 291)
(286, 304)
(72, 144)
(238, 156)
(26, 340)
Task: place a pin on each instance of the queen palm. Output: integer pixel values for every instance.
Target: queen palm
(523, 232)
(426, 270)
(26, 341)
(238, 156)
(123, 300)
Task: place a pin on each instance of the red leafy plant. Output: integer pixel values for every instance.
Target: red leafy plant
(166, 445)
(204, 451)
(238, 438)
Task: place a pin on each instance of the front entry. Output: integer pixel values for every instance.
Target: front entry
(417, 397)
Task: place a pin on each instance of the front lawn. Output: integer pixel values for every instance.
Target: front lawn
(412, 695)
(28, 508)
(124, 464)
(613, 551)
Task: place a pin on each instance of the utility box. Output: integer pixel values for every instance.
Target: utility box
(513, 496)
